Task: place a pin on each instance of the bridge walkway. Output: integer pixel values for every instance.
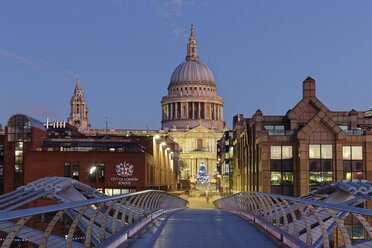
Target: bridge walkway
(202, 228)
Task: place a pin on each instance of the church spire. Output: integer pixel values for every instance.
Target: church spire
(192, 52)
(77, 84)
(79, 109)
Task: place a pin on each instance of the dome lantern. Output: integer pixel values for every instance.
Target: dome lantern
(192, 48)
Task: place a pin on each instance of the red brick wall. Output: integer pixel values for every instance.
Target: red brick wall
(44, 164)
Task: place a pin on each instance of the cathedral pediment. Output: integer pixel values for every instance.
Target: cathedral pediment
(200, 129)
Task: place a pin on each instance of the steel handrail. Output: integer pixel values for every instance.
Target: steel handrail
(312, 202)
(310, 223)
(97, 219)
(57, 207)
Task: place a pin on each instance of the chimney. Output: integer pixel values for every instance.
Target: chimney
(308, 87)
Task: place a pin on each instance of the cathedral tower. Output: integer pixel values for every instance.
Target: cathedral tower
(79, 109)
(192, 113)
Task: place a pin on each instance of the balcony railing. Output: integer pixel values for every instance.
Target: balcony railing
(354, 132)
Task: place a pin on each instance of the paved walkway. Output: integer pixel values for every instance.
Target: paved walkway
(193, 228)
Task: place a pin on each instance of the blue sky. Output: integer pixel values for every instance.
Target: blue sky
(125, 51)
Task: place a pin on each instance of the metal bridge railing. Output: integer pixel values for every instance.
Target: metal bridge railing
(98, 222)
(302, 222)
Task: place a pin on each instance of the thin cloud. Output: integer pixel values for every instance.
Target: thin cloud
(34, 64)
(171, 11)
(31, 64)
(69, 72)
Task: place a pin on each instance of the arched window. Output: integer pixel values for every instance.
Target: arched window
(19, 128)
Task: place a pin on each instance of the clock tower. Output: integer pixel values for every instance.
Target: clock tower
(79, 109)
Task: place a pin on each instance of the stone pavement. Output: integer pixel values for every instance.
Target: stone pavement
(202, 228)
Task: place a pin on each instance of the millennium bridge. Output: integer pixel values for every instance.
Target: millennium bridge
(336, 215)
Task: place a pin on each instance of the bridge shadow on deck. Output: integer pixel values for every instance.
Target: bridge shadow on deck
(202, 228)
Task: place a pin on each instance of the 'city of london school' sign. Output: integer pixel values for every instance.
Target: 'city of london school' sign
(124, 171)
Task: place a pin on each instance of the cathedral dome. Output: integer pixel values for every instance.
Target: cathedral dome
(192, 71)
(192, 98)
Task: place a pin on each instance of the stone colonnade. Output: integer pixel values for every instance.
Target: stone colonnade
(192, 110)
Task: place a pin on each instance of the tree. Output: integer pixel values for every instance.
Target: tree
(202, 175)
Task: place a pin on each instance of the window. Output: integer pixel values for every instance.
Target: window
(92, 172)
(318, 178)
(101, 172)
(1, 152)
(275, 129)
(119, 191)
(281, 152)
(353, 227)
(75, 171)
(18, 164)
(19, 128)
(320, 165)
(281, 167)
(344, 127)
(67, 169)
(199, 144)
(276, 178)
(353, 162)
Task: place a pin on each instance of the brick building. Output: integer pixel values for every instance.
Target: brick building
(114, 165)
(308, 147)
(225, 159)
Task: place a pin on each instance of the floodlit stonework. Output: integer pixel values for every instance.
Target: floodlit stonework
(79, 109)
(192, 113)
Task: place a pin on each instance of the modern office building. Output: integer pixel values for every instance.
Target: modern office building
(308, 147)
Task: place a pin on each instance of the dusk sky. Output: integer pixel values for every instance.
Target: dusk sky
(124, 53)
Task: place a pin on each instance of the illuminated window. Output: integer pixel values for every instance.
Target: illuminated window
(281, 152)
(281, 167)
(18, 164)
(353, 162)
(276, 178)
(75, 171)
(320, 165)
(320, 178)
(92, 172)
